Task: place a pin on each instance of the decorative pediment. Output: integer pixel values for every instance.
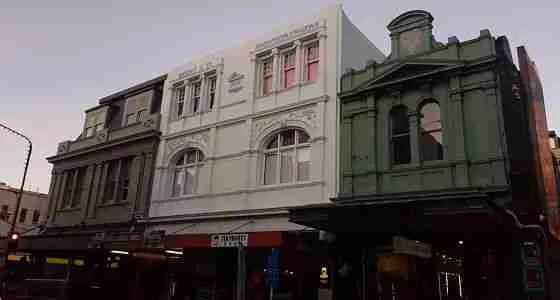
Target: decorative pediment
(410, 70)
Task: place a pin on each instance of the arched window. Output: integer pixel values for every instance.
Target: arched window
(185, 172)
(400, 135)
(287, 157)
(430, 141)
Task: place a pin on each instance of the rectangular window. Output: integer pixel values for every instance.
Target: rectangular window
(4, 213)
(68, 189)
(267, 76)
(136, 108)
(311, 61)
(303, 164)
(36, 216)
(271, 168)
(79, 175)
(211, 83)
(111, 181)
(195, 96)
(95, 122)
(289, 69)
(287, 166)
(118, 180)
(22, 215)
(124, 180)
(178, 96)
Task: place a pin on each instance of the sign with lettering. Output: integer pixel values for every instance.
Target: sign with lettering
(201, 68)
(405, 246)
(235, 82)
(296, 33)
(229, 240)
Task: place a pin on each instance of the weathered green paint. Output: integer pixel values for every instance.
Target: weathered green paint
(461, 77)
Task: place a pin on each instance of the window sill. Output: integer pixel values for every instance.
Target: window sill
(419, 166)
(69, 209)
(111, 204)
(307, 82)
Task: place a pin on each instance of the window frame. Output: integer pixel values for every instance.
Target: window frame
(199, 161)
(36, 217)
(194, 82)
(262, 60)
(279, 149)
(422, 133)
(178, 95)
(307, 62)
(118, 183)
(5, 212)
(97, 125)
(22, 217)
(211, 90)
(287, 68)
(393, 136)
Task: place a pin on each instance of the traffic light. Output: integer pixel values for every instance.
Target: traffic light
(13, 241)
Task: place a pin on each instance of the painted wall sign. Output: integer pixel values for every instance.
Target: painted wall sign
(296, 33)
(229, 240)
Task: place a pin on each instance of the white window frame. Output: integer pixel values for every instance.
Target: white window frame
(260, 71)
(118, 182)
(179, 88)
(136, 114)
(184, 168)
(208, 90)
(290, 50)
(97, 126)
(295, 147)
(305, 62)
(196, 80)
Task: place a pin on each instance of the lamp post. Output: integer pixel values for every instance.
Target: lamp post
(29, 149)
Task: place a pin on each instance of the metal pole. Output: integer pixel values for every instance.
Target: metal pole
(20, 193)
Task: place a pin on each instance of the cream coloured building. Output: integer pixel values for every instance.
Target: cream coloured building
(251, 131)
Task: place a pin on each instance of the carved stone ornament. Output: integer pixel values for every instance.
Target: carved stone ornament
(148, 123)
(176, 143)
(308, 117)
(235, 81)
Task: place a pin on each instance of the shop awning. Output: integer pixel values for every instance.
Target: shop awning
(452, 211)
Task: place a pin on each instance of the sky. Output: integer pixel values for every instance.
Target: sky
(58, 57)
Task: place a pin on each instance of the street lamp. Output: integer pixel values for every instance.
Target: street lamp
(29, 148)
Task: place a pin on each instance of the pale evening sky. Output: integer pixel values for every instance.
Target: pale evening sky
(58, 57)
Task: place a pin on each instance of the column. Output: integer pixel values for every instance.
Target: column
(414, 148)
(252, 83)
(454, 134)
(54, 192)
(136, 184)
(275, 75)
(323, 64)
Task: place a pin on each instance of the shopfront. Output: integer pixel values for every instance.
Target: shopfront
(418, 250)
(239, 265)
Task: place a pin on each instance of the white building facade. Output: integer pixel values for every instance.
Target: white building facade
(247, 134)
(252, 130)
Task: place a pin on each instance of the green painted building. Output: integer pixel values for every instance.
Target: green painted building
(439, 170)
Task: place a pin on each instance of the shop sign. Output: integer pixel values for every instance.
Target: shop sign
(415, 248)
(229, 240)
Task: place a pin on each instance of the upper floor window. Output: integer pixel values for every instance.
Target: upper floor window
(289, 69)
(136, 108)
(4, 213)
(178, 98)
(22, 215)
(287, 157)
(36, 216)
(73, 186)
(117, 180)
(267, 72)
(211, 82)
(311, 55)
(430, 137)
(400, 135)
(95, 123)
(194, 99)
(186, 171)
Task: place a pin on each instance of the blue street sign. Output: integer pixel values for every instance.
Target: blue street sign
(273, 268)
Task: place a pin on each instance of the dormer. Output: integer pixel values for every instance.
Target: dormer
(95, 120)
(411, 34)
